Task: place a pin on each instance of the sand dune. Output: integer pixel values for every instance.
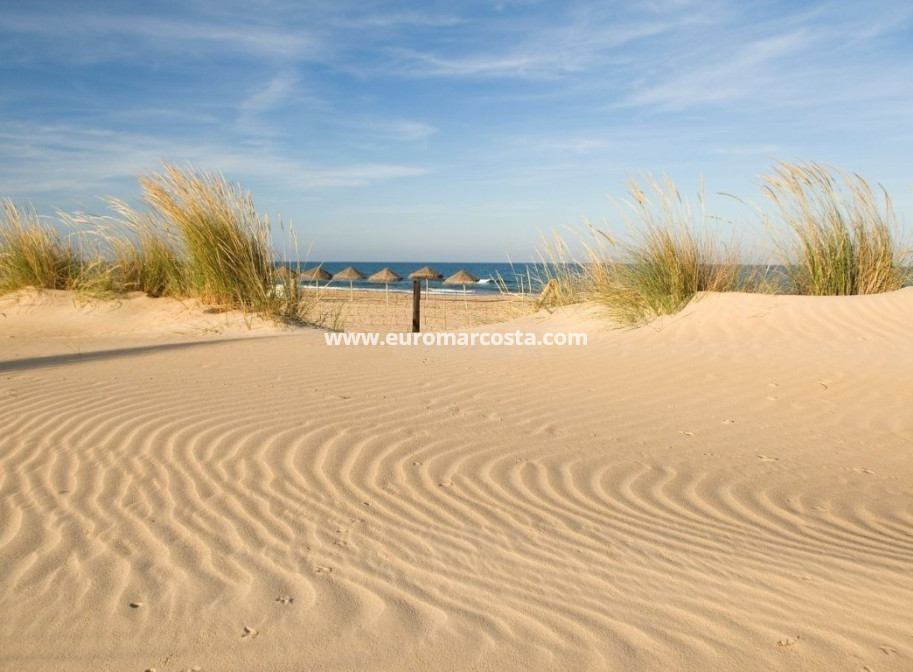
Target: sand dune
(728, 489)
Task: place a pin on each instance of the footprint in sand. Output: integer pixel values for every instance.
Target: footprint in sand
(321, 569)
(788, 641)
(764, 458)
(137, 605)
(285, 599)
(249, 633)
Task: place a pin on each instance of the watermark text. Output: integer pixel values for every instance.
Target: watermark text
(456, 338)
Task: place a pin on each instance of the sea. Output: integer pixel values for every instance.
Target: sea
(494, 277)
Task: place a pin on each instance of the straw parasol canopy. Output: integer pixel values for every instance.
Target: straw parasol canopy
(386, 276)
(351, 274)
(315, 275)
(464, 278)
(425, 273)
(461, 278)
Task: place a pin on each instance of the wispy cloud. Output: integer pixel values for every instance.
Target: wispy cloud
(264, 99)
(814, 57)
(397, 130)
(579, 43)
(73, 162)
(100, 37)
(749, 69)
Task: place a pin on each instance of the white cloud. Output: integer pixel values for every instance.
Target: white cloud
(109, 35)
(73, 162)
(386, 130)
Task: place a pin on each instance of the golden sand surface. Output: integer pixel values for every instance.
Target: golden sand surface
(727, 489)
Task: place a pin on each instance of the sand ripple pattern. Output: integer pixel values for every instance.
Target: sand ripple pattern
(243, 504)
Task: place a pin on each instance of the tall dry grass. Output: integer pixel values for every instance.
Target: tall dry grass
(224, 243)
(33, 254)
(146, 253)
(669, 258)
(202, 237)
(558, 274)
(198, 237)
(843, 231)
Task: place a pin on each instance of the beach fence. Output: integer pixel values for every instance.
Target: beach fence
(371, 306)
(375, 311)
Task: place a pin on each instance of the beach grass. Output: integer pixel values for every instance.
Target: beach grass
(561, 277)
(844, 236)
(146, 253)
(33, 254)
(668, 258)
(223, 242)
(199, 237)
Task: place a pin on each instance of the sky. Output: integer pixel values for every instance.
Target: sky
(451, 131)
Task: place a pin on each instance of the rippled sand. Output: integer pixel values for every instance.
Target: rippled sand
(730, 489)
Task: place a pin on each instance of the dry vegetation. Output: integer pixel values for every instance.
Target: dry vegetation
(201, 237)
(33, 254)
(843, 241)
(843, 234)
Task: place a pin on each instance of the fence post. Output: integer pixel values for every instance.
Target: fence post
(416, 305)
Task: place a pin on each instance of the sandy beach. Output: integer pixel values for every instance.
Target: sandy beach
(727, 489)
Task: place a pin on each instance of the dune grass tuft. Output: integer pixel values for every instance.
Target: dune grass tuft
(199, 237)
(561, 278)
(202, 237)
(224, 242)
(145, 253)
(33, 254)
(671, 257)
(843, 232)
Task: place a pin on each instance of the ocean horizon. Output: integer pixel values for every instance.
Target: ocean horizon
(494, 277)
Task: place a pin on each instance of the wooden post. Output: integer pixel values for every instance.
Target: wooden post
(416, 305)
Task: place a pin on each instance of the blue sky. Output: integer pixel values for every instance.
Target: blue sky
(450, 130)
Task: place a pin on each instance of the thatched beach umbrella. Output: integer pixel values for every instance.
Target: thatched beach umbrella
(386, 276)
(427, 274)
(315, 275)
(351, 274)
(464, 278)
